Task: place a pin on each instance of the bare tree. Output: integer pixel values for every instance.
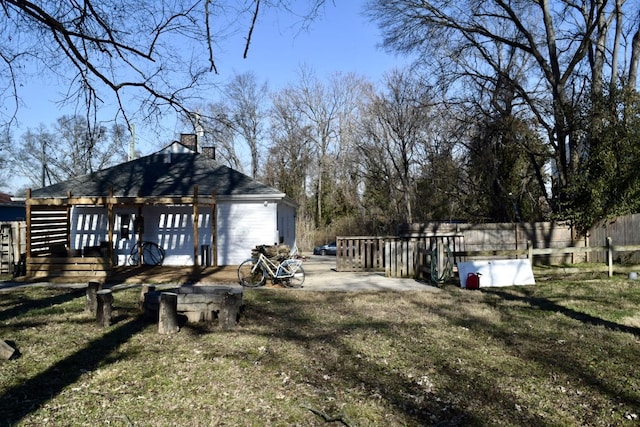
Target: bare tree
(288, 161)
(100, 48)
(563, 45)
(322, 109)
(218, 131)
(394, 142)
(246, 101)
(71, 149)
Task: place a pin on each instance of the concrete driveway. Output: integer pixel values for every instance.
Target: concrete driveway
(321, 275)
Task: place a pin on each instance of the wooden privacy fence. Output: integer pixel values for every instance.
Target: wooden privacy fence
(609, 250)
(397, 255)
(623, 230)
(412, 257)
(402, 256)
(360, 253)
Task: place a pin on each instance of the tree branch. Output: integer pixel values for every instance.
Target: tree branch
(253, 24)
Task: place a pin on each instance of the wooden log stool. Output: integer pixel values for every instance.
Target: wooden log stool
(168, 313)
(90, 302)
(143, 295)
(230, 309)
(104, 300)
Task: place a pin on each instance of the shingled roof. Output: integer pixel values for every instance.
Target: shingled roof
(162, 174)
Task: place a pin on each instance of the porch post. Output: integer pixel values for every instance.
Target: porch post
(139, 231)
(214, 230)
(69, 194)
(28, 231)
(196, 263)
(110, 226)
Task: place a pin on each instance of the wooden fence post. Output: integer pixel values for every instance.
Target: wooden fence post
(387, 258)
(440, 256)
(104, 299)
(610, 256)
(91, 297)
(530, 251)
(168, 313)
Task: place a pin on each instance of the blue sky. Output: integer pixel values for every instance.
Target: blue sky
(340, 40)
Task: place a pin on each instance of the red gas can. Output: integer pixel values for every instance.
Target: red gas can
(473, 280)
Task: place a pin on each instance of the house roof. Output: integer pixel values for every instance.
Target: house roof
(162, 174)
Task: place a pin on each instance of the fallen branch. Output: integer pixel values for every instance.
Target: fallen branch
(329, 419)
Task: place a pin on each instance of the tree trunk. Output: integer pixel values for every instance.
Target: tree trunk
(598, 60)
(635, 59)
(616, 44)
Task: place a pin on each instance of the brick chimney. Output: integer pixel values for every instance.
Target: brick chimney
(209, 152)
(189, 140)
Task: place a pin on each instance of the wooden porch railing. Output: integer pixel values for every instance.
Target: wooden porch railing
(79, 268)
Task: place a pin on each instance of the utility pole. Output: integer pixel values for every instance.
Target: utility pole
(132, 142)
(43, 160)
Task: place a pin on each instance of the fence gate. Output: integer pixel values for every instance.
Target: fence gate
(12, 244)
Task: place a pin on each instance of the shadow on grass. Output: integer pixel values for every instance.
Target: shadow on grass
(19, 401)
(553, 354)
(26, 304)
(153, 274)
(547, 305)
(287, 319)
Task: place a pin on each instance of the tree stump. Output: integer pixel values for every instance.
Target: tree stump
(90, 300)
(168, 313)
(104, 300)
(143, 293)
(229, 310)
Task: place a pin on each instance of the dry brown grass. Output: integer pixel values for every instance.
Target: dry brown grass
(556, 354)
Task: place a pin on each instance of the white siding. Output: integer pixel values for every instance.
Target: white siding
(242, 226)
(88, 226)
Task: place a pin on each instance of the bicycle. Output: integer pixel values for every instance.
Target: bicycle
(152, 254)
(253, 272)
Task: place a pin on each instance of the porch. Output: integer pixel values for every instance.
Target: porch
(53, 255)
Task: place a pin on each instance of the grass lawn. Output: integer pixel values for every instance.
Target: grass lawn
(560, 353)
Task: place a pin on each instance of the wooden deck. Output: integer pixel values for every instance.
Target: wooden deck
(70, 271)
(68, 268)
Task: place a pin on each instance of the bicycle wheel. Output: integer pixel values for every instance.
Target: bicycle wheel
(297, 279)
(134, 255)
(152, 254)
(251, 275)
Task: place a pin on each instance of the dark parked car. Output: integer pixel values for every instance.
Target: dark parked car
(328, 249)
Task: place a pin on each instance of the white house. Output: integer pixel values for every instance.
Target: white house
(155, 199)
